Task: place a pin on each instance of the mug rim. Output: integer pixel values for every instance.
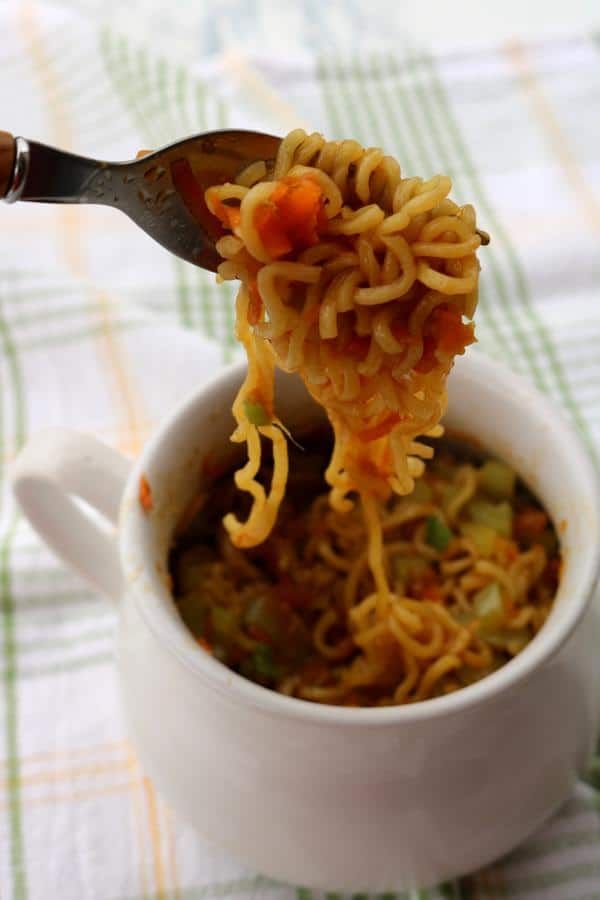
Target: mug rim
(175, 636)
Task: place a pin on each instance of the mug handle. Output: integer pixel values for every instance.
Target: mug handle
(57, 468)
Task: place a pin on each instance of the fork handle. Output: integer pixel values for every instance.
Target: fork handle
(43, 174)
(7, 161)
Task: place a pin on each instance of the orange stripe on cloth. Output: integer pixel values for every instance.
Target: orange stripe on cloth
(67, 753)
(127, 404)
(558, 140)
(57, 775)
(76, 796)
(155, 836)
(172, 852)
(137, 807)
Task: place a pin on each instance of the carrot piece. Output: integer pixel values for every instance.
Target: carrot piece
(145, 494)
(204, 644)
(451, 333)
(292, 216)
(188, 188)
(358, 347)
(428, 360)
(378, 431)
(255, 305)
(530, 522)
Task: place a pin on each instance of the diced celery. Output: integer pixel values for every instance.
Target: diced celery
(262, 659)
(223, 621)
(470, 674)
(264, 614)
(497, 479)
(421, 493)
(463, 616)
(512, 640)
(260, 665)
(495, 515)
(437, 533)
(488, 606)
(280, 625)
(482, 536)
(518, 641)
(406, 567)
(256, 413)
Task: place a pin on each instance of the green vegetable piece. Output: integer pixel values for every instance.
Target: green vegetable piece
(421, 493)
(497, 479)
(519, 640)
(512, 640)
(495, 515)
(488, 606)
(463, 616)
(280, 625)
(482, 536)
(256, 413)
(263, 662)
(437, 533)
(407, 567)
(223, 622)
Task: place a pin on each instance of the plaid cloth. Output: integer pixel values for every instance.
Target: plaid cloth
(103, 331)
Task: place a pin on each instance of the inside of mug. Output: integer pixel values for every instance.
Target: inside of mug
(487, 406)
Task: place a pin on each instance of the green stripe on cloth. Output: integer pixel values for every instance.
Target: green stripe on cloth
(218, 889)
(528, 884)
(10, 656)
(523, 294)
(411, 142)
(93, 660)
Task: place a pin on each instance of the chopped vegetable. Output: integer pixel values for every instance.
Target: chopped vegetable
(449, 331)
(497, 479)
(463, 616)
(188, 188)
(145, 494)
(255, 304)
(292, 216)
(278, 624)
(380, 430)
(495, 515)
(488, 606)
(530, 522)
(223, 621)
(512, 640)
(406, 567)
(263, 662)
(437, 533)
(256, 413)
(421, 492)
(482, 536)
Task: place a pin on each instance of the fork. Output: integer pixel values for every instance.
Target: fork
(162, 191)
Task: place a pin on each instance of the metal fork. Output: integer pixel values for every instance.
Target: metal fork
(162, 191)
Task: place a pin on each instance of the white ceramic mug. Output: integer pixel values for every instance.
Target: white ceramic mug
(346, 799)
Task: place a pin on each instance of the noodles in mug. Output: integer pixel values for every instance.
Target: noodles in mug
(361, 281)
